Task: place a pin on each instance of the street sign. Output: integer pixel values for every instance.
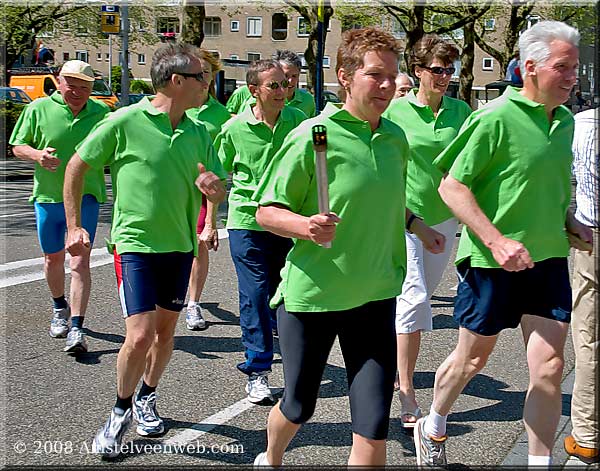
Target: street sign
(110, 20)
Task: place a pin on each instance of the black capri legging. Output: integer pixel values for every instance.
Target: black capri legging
(367, 338)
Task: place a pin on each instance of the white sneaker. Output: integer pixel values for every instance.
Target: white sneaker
(59, 325)
(261, 461)
(76, 342)
(194, 319)
(258, 389)
(108, 440)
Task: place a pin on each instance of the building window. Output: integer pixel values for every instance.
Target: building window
(490, 24)
(396, 29)
(303, 60)
(167, 25)
(488, 63)
(254, 26)
(141, 58)
(531, 20)
(65, 56)
(253, 56)
(279, 24)
(303, 26)
(234, 57)
(106, 56)
(99, 56)
(212, 26)
(457, 65)
(81, 56)
(326, 62)
(234, 26)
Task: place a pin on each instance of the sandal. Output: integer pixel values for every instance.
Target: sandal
(415, 414)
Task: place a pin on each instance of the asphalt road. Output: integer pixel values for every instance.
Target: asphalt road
(54, 403)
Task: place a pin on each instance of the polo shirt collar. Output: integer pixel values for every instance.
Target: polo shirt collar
(411, 97)
(57, 98)
(513, 94)
(338, 114)
(209, 102)
(248, 116)
(145, 105)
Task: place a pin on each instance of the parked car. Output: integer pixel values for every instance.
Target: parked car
(330, 97)
(134, 98)
(16, 95)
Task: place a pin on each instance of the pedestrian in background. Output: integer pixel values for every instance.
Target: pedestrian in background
(46, 133)
(404, 84)
(431, 120)
(346, 291)
(583, 441)
(246, 146)
(213, 115)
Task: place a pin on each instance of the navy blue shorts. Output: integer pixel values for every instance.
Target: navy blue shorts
(147, 280)
(492, 299)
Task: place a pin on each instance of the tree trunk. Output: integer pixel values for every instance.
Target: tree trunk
(193, 24)
(310, 54)
(467, 60)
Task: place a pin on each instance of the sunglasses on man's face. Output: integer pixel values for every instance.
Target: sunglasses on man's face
(275, 85)
(440, 70)
(198, 75)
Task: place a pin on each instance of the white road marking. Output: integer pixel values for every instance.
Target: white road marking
(12, 277)
(28, 213)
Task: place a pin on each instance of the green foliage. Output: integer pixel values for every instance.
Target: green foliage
(10, 114)
(115, 81)
(140, 86)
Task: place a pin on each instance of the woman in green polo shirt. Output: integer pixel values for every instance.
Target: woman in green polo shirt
(430, 120)
(349, 290)
(213, 115)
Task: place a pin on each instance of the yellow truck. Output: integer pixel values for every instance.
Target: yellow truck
(42, 81)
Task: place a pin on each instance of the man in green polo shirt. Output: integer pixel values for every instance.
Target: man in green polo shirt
(46, 133)
(295, 97)
(246, 146)
(155, 152)
(508, 181)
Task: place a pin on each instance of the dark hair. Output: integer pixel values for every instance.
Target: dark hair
(170, 59)
(288, 58)
(257, 67)
(431, 47)
(357, 42)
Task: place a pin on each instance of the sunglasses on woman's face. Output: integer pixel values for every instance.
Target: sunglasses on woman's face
(440, 70)
(275, 85)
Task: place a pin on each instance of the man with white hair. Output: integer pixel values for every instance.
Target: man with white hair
(46, 133)
(404, 84)
(508, 182)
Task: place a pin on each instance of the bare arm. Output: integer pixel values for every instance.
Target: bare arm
(78, 239)
(281, 221)
(209, 234)
(433, 241)
(510, 254)
(580, 236)
(44, 157)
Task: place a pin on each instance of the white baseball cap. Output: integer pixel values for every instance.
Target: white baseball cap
(78, 69)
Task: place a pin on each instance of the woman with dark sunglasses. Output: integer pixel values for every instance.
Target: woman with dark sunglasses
(431, 120)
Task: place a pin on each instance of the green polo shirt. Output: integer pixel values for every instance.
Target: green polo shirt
(153, 169)
(428, 136)
(366, 170)
(212, 114)
(246, 146)
(518, 166)
(238, 99)
(49, 122)
(302, 100)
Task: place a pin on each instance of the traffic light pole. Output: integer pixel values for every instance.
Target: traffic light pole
(125, 55)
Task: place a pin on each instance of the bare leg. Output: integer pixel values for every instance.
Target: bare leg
(141, 330)
(280, 432)
(408, 350)
(160, 352)
(367, 452)
(545, 340)
(54, 270)
(81, 282)
(199, 273)
(468, 358)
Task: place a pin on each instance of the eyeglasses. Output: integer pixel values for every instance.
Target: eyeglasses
(198, 75)
(440, 70)
(275, 85)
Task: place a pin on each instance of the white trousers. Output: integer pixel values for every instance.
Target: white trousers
(424, 271)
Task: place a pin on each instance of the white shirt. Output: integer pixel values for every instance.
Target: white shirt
(585, 166)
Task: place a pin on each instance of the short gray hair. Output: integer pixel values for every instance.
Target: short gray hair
(259, 66)
(170, 59)
(534, 44)
(288, 58)
(404, 75)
